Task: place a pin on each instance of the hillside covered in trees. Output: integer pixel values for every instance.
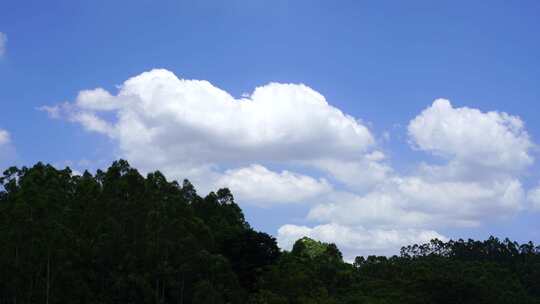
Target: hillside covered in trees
(119, 237)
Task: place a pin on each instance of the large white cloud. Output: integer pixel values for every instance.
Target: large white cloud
(356, 240)
(3, 43)
(193, 120)
(202, 122)
(189, 128)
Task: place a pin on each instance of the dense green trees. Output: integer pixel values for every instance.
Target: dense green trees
(119, 237)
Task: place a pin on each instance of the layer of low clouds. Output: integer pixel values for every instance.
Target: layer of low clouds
(190, 128)
(3, 43)
(415, 202)
(357, 240)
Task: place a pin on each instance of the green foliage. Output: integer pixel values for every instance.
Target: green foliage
(309, 247)
(119, 237)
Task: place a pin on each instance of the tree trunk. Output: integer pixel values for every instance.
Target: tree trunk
(16, 271)
(157, 290)
(182, 289)
(48, 288)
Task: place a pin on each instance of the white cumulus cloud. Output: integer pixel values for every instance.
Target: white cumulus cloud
(493, 139)
(192, 119)
(190, 128)
(257, 184)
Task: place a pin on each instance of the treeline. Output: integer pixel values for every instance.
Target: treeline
(119, 237)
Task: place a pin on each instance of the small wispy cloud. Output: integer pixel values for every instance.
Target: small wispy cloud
(3, 43)
(4, 137)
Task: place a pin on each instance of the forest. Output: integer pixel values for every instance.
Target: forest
(117, 236)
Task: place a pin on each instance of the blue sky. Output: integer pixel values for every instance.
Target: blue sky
(380, 62)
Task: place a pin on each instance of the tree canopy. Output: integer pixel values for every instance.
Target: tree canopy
(119, 237)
